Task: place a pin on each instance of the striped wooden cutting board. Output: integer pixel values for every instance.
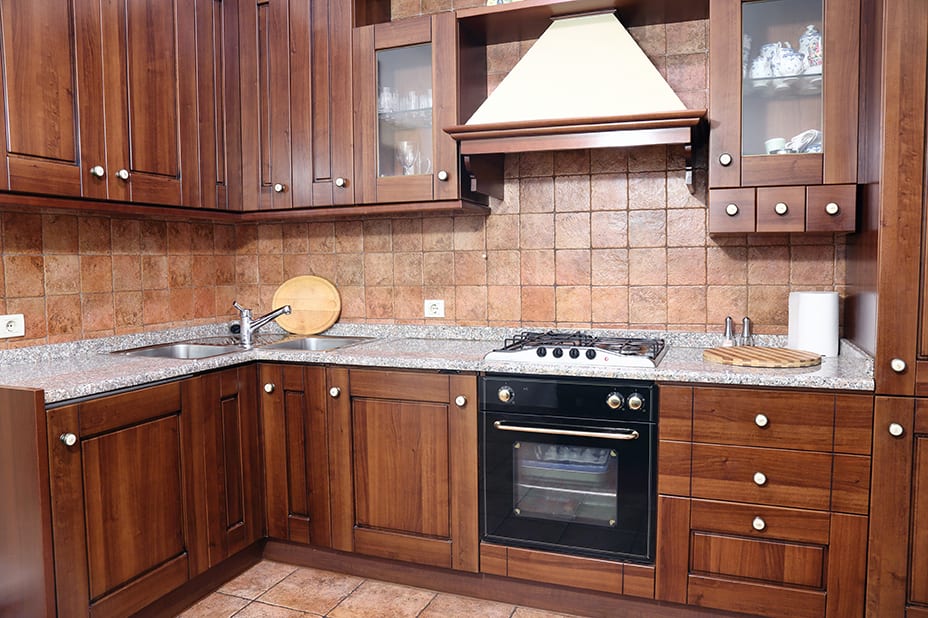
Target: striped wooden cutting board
(754, 356)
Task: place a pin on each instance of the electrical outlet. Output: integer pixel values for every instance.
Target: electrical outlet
(12, 326)
(434, 308)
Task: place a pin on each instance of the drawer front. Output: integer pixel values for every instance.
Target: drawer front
(731, 211)
(801, 421)
(755, 598)
(773, 561)
(763, 476)
(760, 521)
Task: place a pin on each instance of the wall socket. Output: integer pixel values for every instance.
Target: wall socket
(13, 325)
(434, 308)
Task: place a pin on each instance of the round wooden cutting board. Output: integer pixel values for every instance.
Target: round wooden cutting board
(314, 303)
(755, 356)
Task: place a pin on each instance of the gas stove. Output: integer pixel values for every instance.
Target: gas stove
(580, 348)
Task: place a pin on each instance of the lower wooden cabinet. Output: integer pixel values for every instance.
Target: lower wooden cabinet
(403, 465)
(296, 472)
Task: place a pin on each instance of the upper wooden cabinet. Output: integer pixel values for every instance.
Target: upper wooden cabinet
(296, 103)
(102, 110)
(783, 106)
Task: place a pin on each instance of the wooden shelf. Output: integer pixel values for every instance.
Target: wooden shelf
(527, 19)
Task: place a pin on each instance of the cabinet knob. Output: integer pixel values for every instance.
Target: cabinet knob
(341, 183)
(69, 439)
(760, 479)
(897, 364)
(335, 392)
(832, 208)
(280, 188)
(98, 171)
(759, 524)
(443, 175)
(269, 388)
(781, 208)
(460, 401)
(731, 210)
(123, 174)
(725, 159)
(896, 430)
(761, 420)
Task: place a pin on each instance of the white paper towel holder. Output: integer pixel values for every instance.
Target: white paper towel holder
(813, 322)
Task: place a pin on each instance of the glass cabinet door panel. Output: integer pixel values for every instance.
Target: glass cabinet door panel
(782, 64)
(404, 111)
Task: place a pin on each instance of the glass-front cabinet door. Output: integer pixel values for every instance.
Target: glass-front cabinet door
(783, 92)
(406, 72)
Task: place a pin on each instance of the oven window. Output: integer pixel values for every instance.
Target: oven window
(565, 483)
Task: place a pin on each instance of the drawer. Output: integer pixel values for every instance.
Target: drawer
(755, 598)
(731, 211)
(781, 209)
(776, 562)
(773, 419)
(760, 521)
(763, 476)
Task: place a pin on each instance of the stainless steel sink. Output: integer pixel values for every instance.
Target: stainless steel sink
(180, 350)
(317, 343)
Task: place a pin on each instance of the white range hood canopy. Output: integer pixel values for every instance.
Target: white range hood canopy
(584, 83)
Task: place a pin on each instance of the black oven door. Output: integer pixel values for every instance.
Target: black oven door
(583, 487)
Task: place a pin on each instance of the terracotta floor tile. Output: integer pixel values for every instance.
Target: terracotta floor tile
(528, 612)
(312, 590)
(258, 579)
(375, 599)
(263, 610)
(216, 605)
(453, 606)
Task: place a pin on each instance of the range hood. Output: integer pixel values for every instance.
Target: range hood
(585, 83)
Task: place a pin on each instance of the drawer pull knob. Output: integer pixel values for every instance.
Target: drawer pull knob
(725, 159)
(460, 401)
(759, 524)
(760, 479)
(443, 175)
(69, 439)
(731, 210)
(761, 420)
(896, 430)
(832, 208)
(335, 392)
(269, 388)
(341, 183)
(781, 208)
(897, 364)
(97, 171)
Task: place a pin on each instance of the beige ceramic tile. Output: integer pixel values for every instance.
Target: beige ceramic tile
(536, 194)
(528, 612)
(380, 599)
(572, 267)
(263, 610)
(470, 268)
(609, 192)
(59, 234)
(647, 228)
(311, 590)
(258, 579)
(573, 304)
(572, 193)
(216, 605)
(453, 606)
(608, 229)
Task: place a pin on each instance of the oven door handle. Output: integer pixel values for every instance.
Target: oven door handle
(630, 435)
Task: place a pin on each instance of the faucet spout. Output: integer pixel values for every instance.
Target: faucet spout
(249, 326)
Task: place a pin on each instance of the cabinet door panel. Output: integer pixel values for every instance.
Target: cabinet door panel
(401, 445)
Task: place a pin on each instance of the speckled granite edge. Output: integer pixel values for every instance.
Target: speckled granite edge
(89, 369)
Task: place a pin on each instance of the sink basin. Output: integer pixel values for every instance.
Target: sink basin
(317, 343)
(180, 350)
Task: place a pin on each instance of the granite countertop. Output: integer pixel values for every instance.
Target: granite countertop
(73, 370)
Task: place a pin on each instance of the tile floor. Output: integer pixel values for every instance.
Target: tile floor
(275, 590)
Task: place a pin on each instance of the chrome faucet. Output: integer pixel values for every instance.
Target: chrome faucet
(250, 326)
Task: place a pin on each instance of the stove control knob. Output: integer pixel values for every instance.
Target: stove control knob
(635, 401)
(574, 353)
(557, 352)
(614, 401)
(591, 353)
(505, 394)
(542, 351)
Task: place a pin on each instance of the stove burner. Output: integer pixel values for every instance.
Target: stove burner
(550, 347)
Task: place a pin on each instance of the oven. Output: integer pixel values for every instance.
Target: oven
(569, 465)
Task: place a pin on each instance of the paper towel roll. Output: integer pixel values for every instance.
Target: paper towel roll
(813, 322)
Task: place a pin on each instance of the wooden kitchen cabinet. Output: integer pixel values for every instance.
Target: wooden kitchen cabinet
(403, 465)
(775, 517)
(295, 62)
(226, 462)
(753, 103)
(102, 111)
(293, 418)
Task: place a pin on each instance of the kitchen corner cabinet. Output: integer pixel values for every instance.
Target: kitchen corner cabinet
(405, 75)
(296, 103)
(403, 465)
(783, 115)
(109, 109)
(774, 519)
(293, 419)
